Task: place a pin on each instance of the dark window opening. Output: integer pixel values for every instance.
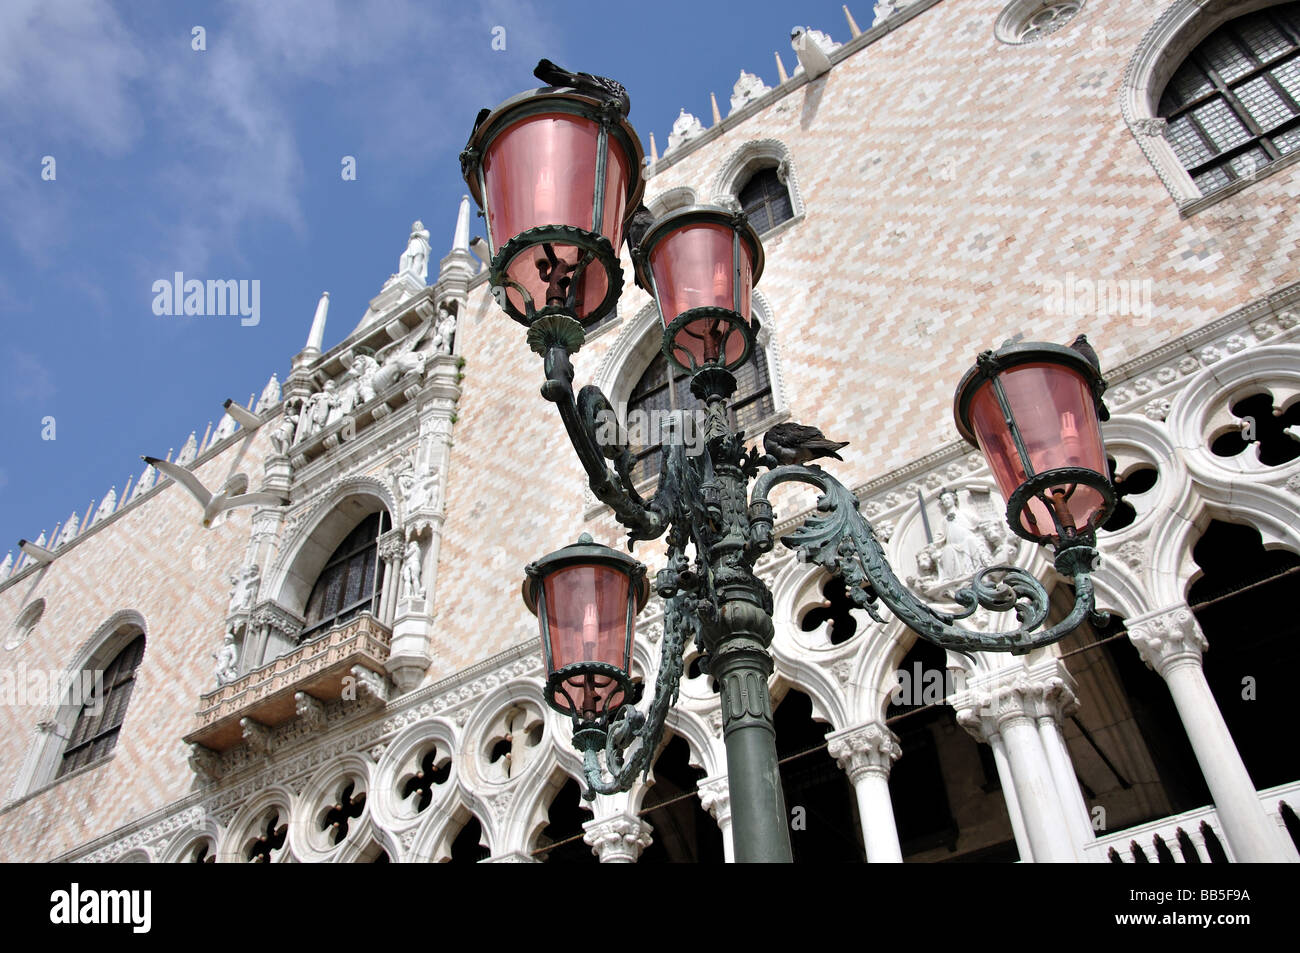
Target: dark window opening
(1134, 483)
(1265, 426)
(98, 724)
(684, 832)
(1243, 603)
(663, 388)
(836, 613)
(766, 200)
(352, 578)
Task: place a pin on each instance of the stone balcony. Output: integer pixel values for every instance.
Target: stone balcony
(347, 661)
(1191, 837)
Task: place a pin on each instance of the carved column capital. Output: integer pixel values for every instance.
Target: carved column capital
(1168, 639)
(619, 839)
(391, 546)
(715, 797)
(1029, 693)
(864, 750)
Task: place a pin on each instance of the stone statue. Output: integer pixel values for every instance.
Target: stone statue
(963, 550)
(7, 566)
(444, 334)
(415, 260)
(316, 413)
(245, 589)
(270, 396)
(281, 433)
(411, 585)
(227, 668)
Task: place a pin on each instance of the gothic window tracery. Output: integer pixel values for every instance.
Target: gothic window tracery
(1274, 431)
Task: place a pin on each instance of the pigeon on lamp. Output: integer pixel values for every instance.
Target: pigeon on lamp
(812, 57)
(599, 87)
(637, 226)
(1089, 354)
(1083, 347)
(478, 120)
(795, 443)
(231, 495)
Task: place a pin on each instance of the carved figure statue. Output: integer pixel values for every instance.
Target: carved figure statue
(227, 668)
(411, 584)
(281, 434)
(963, 550)
(415, 260)
(445, 331)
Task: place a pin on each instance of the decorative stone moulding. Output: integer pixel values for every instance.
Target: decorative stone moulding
(323, 669)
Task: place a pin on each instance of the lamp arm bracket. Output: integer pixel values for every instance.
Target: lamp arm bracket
(593, 428)
(841, 540)
(681, 624)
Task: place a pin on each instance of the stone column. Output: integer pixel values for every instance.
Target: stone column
(391, 548)
(1170, 641)
(715, 796)
(1008, 706)
(618, 839)
(865, 754)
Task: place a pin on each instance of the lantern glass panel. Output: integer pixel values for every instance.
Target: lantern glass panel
(1054, 409)
(693, 268)
(586, 611)
(542, 171)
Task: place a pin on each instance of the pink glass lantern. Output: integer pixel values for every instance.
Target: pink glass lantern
(586, 597)
(1033, 409)
(701, 264)
(556, 176)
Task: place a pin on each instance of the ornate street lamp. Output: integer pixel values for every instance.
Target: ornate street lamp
(1039, 401)
(1034, 410)
(586, 598)
(701, 265)
(557, 173)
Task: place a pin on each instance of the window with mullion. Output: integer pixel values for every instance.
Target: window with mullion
(765, 200)
(657, 392)
(351, 579)
(99, 722)
(1233, 107)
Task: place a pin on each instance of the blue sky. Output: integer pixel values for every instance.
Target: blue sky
(225, 163)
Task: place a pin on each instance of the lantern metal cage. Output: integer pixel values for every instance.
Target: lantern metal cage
(703, 325)
(586, 162)
(602, 686)
(1073, 484)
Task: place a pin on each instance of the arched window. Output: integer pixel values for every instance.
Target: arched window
(765, 199)
(663, 388)
(102, 708)
(351, 580)
(1233, 106)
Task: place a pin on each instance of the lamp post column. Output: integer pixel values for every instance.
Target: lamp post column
(739, 660)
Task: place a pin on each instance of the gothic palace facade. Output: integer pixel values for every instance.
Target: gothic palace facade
(964, 172)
